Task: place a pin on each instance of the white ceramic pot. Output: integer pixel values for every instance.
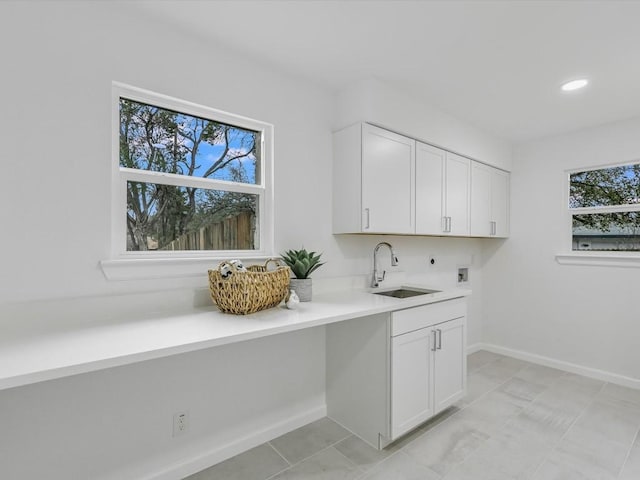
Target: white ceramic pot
(302, 287)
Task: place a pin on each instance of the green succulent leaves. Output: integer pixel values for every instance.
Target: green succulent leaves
(301, 262)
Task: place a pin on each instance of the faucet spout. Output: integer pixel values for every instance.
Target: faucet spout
(375, 281)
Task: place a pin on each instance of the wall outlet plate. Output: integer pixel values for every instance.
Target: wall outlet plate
(180, 423)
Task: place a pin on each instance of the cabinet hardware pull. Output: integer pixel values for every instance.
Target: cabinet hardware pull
(368, 224)
(439, 339)
(449, 225)
(435, 336)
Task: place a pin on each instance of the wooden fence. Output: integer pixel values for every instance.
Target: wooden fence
(233, 233)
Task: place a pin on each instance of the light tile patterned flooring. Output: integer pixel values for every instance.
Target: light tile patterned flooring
(518, 421)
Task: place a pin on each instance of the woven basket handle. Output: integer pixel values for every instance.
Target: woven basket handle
(277, 262)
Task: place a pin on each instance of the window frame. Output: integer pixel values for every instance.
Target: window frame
(120, 175)
(594, 257)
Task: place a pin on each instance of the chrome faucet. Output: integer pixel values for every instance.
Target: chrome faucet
(375, 281)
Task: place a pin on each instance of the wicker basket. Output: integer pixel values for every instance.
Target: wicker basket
(247, 292)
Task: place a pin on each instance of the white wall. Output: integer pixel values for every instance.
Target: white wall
(376, 102)
(56, 124)
(116, 424)
(59, 60)
(582, 315)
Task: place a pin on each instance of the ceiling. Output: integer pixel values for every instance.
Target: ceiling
(495, 64)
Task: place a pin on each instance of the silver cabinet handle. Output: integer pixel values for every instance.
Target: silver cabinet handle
(446, 222)
(435, 336)
(368, 223)
(439, 339)
(493, 228)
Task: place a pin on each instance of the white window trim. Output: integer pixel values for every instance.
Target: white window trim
(124, 265)
(593, 258)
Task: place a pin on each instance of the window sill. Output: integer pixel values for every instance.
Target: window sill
(599, 259)
(159, 268)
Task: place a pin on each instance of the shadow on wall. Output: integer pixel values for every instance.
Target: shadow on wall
(490, 247)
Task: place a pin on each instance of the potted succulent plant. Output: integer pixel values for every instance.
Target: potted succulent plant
(302, 264)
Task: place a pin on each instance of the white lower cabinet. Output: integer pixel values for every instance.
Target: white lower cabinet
(411, 380)
(450, 377)
(388, 373)
(428, 371)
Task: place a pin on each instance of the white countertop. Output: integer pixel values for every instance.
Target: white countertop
(29, 356)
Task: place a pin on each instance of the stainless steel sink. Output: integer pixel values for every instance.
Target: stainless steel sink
(405, 292)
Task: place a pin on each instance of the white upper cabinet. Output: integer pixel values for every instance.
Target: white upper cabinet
(373, 179)
(388, 183)
(388, 194)
(500, 195)
(457, 177)
(489, 201)
(430, 168)
(480, 200)
(442, 192)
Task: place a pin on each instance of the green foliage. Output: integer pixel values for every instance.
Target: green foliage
(301, 262)
(605, 187)
(160, 140)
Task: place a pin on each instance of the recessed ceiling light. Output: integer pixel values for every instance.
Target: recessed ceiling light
(574, 85)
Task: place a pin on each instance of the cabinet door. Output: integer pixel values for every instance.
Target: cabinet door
(388, 196)
(450, 363)
(500, 203)
(411, 380)
(430, 168)
(481, 199)
(457, 194)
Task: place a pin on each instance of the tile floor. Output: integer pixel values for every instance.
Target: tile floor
(518, 421)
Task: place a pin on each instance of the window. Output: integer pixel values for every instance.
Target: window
(189, 180)
(604, 204)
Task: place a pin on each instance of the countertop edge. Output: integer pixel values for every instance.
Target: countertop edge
(256, 326)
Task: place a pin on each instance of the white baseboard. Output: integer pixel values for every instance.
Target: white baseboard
(475, 347)
(559, 364)
(220, 453)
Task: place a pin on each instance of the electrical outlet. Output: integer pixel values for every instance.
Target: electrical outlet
(180, 423)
